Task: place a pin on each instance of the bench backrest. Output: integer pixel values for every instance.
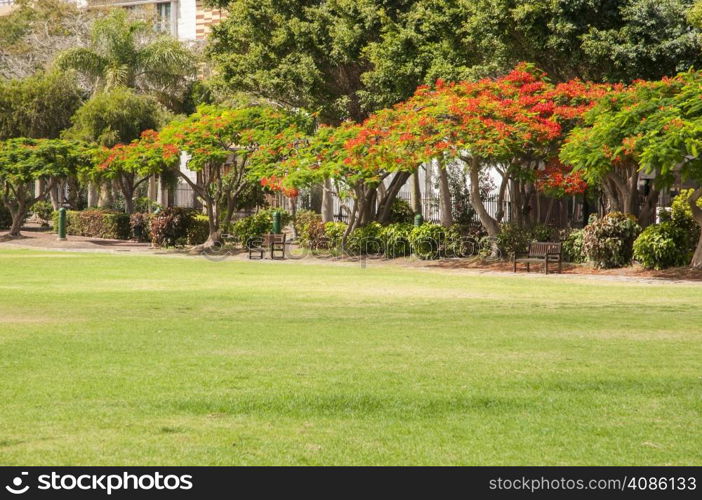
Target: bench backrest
(271, 238)
(542, 248)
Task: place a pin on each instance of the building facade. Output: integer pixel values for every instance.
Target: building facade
(187, 20)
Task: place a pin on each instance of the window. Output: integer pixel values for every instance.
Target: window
(163, 17)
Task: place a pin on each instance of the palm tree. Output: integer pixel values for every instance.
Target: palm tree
(129, 53)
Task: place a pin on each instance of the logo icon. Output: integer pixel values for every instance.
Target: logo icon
(17, 483)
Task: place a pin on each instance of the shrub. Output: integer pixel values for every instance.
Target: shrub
(198, 230)
(428, 240)
(140, 226)
(396, 240)
(608, 241)
(334, 233)
(5, 218)
(542, 232)
(662, 246)
(681, 217)
(96, 224)
(44, 211)
(313, 235)
(401, 212)
(170, 226)
(304, 218)
(513, 239)
(258, 224)
(365, 240)
(573, 247)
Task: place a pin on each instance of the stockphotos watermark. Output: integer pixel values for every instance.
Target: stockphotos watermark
(362, 248)
(104, 483)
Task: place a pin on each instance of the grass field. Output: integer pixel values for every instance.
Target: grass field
(145, 360)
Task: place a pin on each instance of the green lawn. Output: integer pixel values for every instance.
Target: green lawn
(145, 360)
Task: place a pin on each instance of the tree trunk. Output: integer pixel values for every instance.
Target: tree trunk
(500, 212)
(416, 193)
(491, 225)
(445, 196)
(385, 206)
(19, 214)
(697, 214)
(92, 195)
(105, 200)
(327, 202)
(551, 202)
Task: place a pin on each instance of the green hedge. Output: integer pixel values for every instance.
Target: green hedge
(96, 224)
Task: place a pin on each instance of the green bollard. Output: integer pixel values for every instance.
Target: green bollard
(276, 223)
(418, 220)
(62, 224)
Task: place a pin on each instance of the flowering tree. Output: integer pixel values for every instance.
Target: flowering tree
(671, 144)
(130, 165)
(23, 161)
(514, 123)
(219, 142)
(605, 148)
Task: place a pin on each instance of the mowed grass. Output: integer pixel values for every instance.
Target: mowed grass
(146, 360)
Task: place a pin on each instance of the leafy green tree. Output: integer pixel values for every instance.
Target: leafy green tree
(219, 142)
(39, 106)
(116, 116)
(672, 145)
(342, 58)
(24, 161)
(599, 40)
(128, 53)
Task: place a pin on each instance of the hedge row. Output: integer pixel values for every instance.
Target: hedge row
(170, 227)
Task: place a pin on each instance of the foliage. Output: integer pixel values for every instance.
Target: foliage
(24, 161)
(140, 226)
(39, 106)
(116, 116)
(396, 240)
(303, 218)
(169, 227)
(220, 143)
(572, 247)
(334, 233)
(5, 218)
(35, 31)
(608, 241)
(132, 164)
(347, 59)
(96, 224)
(198, 230)
(365, 240)
(43, 210)
(598, 40)
(557, 180)
(662, 245)
(513, 239)
(258, 224)
(130, 53)
(401, 212)
(428, 240)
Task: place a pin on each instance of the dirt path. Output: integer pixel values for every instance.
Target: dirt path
(43, 240)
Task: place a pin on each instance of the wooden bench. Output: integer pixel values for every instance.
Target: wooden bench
(274, 243)
(541, 253)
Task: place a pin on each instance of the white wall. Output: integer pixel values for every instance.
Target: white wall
(186, 20)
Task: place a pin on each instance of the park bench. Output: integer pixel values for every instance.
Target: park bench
(273, 243)
(541, 253)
